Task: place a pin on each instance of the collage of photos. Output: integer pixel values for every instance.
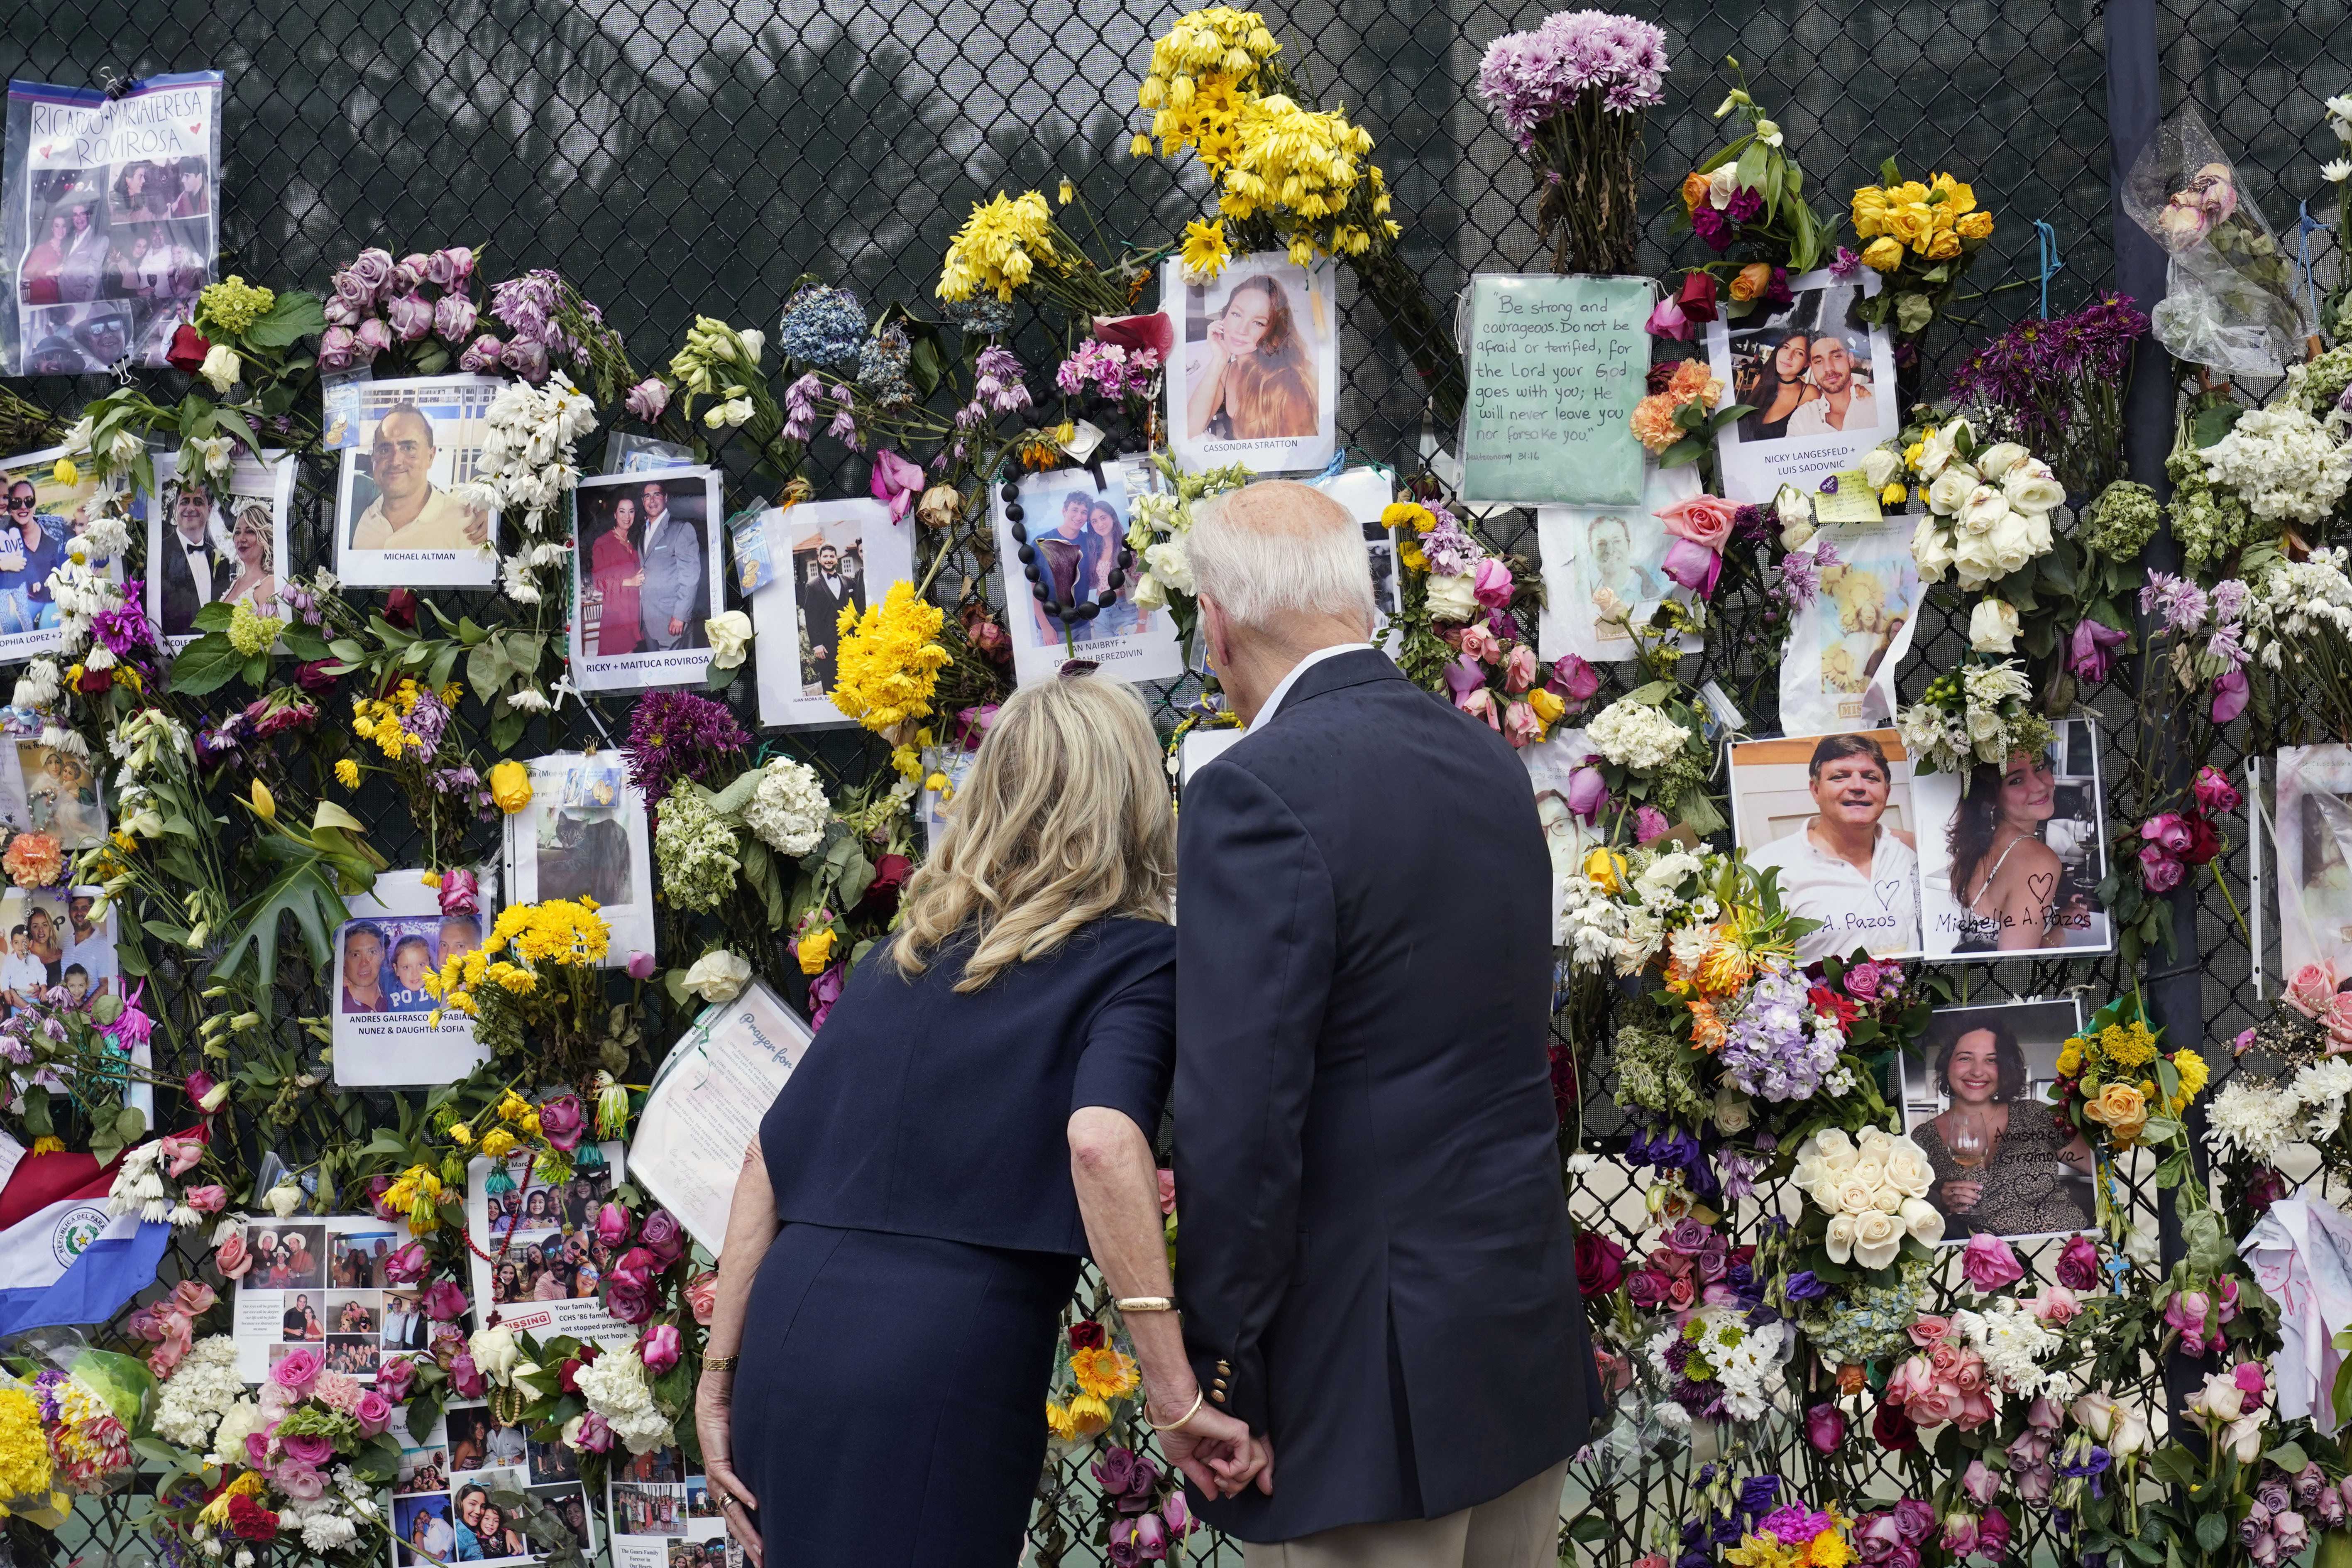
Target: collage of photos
(401, 517)
(1075, 529)
(540, 1263)
(1598, 558)
(57, 941)
(442, 1505)
(117, 220)
(1821, 383)
(215, 543)
(2011, 856)
(583, 835)
(383, 1020)
(2314, 834)
(649, 561)
(1977, 1100)
(322, 1283)
(1256, 377)
(1833, 816)
(661, 1517)
(828, 556)
(1848, 643)
(42, 516)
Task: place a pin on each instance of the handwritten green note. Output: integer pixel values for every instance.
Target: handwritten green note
(1556, 365)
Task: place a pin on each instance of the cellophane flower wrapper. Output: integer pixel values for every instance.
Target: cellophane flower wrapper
(2231, 303)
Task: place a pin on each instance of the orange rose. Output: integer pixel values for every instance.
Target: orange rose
(1751, 281)
(1693, 190)
(2121, 1111)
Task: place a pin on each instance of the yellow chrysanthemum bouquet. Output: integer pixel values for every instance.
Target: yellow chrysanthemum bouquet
(533, 987)
(1918, 239)
(1011, 246)
(1288, 175)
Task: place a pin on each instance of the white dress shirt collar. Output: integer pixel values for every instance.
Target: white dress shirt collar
(1273, 703)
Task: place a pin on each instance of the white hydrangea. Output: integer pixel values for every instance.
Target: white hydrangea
(2296, 598)
(1636, 735)
(615, 1388)
(789, 810)
(199, 1392)
(2282, 463)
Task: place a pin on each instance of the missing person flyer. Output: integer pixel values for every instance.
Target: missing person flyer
(538, 1263)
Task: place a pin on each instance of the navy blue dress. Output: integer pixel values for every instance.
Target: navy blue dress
(890, 1401)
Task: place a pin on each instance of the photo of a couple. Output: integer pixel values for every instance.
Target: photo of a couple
(1806, 370)
(214, 545)
(645, 570)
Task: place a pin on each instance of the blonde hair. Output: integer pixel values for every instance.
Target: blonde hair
(1063, 819)
(1279, 547)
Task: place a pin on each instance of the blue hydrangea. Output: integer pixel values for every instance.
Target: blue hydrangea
(982, 316)
(882, 367)
(823, 326)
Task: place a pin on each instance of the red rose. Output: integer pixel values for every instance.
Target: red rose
(890, 874)
(186, 355)
(1893, 1429)
(2204, 840)
(400, 609)
(1697, 298)
(1600, 1264)
(1088, 1336)
(246, 1518)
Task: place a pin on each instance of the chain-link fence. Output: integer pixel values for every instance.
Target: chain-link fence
(682, 159)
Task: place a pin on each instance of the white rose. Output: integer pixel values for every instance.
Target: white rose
(2131, 1434)
(496, 1353)
(1930, 550)
(2031, 487)
(730, 634)
(2012, 544)
(1983, 510)
(1921, 1219)
(1975, 562)
(284, 1198)
(1151, 593)
(221, 367)
(1907, 1171)
(1936, 451)
(1998, 460)
(1879, 465)
(1876, 1239)
(1853, 1196)
(1992, 627)
(2037, 531)
(1838, 1238)
(1949, 492)
(1722, 184)
(718, 977)
(1452, 599)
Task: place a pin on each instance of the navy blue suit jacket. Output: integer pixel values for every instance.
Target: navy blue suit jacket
(1374, 1259)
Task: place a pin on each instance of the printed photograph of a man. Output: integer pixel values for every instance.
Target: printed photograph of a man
(1833, 817)
(406, 514)
(410, 511)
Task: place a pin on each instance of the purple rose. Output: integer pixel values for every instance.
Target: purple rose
(1980, 1483)
(1914, 1519)
(1179, 1515)
(410, 315)
(460, 261)
(337, 349)
(453, 318)
(527, 360)
(2078, 1265)
(663, 1236)
(1667, 321)
(596, 1433)
(1140, 1487)
(1876, 1537)
(1824, 1427)
(299, 1369)
(481, 354)
(2292, 1533)
(406, 1266)
(393, 1378)
(1588, 792)
(1150, 1537)
(1115, 1471)
(659, 1349)
(373, 1413)
(635, 1270)
(1577, 679)
(309, 1449)
(2159, 871)
(466, 1377)
(371, 271)
(561, 1121)
(1803, 1286)
(613, 1225)
(648, 398)
(416, 267)
(2230, 696)
(1688, 1237)
(340, 311)
(353, 292)
(1694, 566)
(2091, 654)
(444, 1302)
(372, 338)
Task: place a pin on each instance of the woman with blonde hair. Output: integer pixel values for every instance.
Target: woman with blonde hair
(905, 1231)
(1253, 378)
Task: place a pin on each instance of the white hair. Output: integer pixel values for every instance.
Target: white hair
(1277, 548)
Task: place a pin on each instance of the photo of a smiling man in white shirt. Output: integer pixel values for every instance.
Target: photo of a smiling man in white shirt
(1847, 861)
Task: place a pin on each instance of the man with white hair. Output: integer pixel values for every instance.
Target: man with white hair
(1377, 1270)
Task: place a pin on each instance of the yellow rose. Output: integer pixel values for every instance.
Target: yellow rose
(1884, 254)
(2122, 1109)
(1911, 224)
(1958, 198)
(1605, 871)
(1944, 246)
(1751, 281)
(1869, 211)
(1975, 226)
(511, 787)
(816, 947)
(1547, 704)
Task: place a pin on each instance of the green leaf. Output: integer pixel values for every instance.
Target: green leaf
(1750, 173)
(206, 665)
(234, 424)
(291, 317)
(2213, 1528)
(2288, 1456)
(1590, 1529)
(1887, 173)
(303, 891)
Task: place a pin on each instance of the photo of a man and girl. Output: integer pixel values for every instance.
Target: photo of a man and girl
(213, 544)
(649, 551)
(385, 958)
(1820, 380)
(1975, 1101)
(2014, 852)
(1255, 376)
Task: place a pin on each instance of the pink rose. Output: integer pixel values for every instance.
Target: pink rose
(659, 1348)
(1988, 1263)
(596, 1433)
(1940, 1404)
(299, 1369)
(1480, 704)
(194, 1296)
(2168, 831)
(406, 1264)
(372, 339)
(1519, 670)
(1667, 321)
(461, 892)
(208, 1199)
(2078, 1265)
(444, 1302)
(1980, 1483)
(2312, 990)
(641, 965)
(1706, 520)
(308, 1448)
(299, 1482)
(614, 1224)
(1910, 1380)
(1588, 792)
(1976, 1409)
(1825, 1428)
(663, 1237)
(466, 1377)
(2159, 872)
(1694, 566)
(1491, 585)
(1681, 1294)
(2230, 694)
(394, 1376)
(231, 1257)
(2056, 1305)
(2215, 792)
(181, 1156)
(1479, 642)
(2249, 1378)
(1930, 1330)
(1578, 680)
(373, 1412)
(1167, 1191)
(1992, 1535)
(1944, 1360)
(561, 1121)
(1520, 725)
(702, 1295)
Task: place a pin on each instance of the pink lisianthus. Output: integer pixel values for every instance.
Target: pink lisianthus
(1588, 792)
(1668, 321)
(2230, 694)
(1693, 565)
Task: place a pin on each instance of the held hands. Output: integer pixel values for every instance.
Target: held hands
(714, 1421)
(1218, 1454)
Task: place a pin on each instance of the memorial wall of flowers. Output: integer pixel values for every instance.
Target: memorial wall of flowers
(359, 915)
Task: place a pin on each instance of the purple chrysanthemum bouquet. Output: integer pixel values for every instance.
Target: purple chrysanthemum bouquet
(2064, 381)
(1573, 92)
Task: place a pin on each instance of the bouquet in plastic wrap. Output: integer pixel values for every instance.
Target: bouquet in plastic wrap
(2230, 302)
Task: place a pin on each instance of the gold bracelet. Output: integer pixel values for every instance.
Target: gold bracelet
(1145, 1303)
(719, 1362)
(1197, 1400)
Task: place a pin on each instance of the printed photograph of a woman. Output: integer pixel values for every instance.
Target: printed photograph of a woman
(1776, 385)
(2013, 855)
(617, 574)
(1974, 1100)
(1250, 374)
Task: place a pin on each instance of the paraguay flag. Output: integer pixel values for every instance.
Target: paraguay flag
(63, 1259)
